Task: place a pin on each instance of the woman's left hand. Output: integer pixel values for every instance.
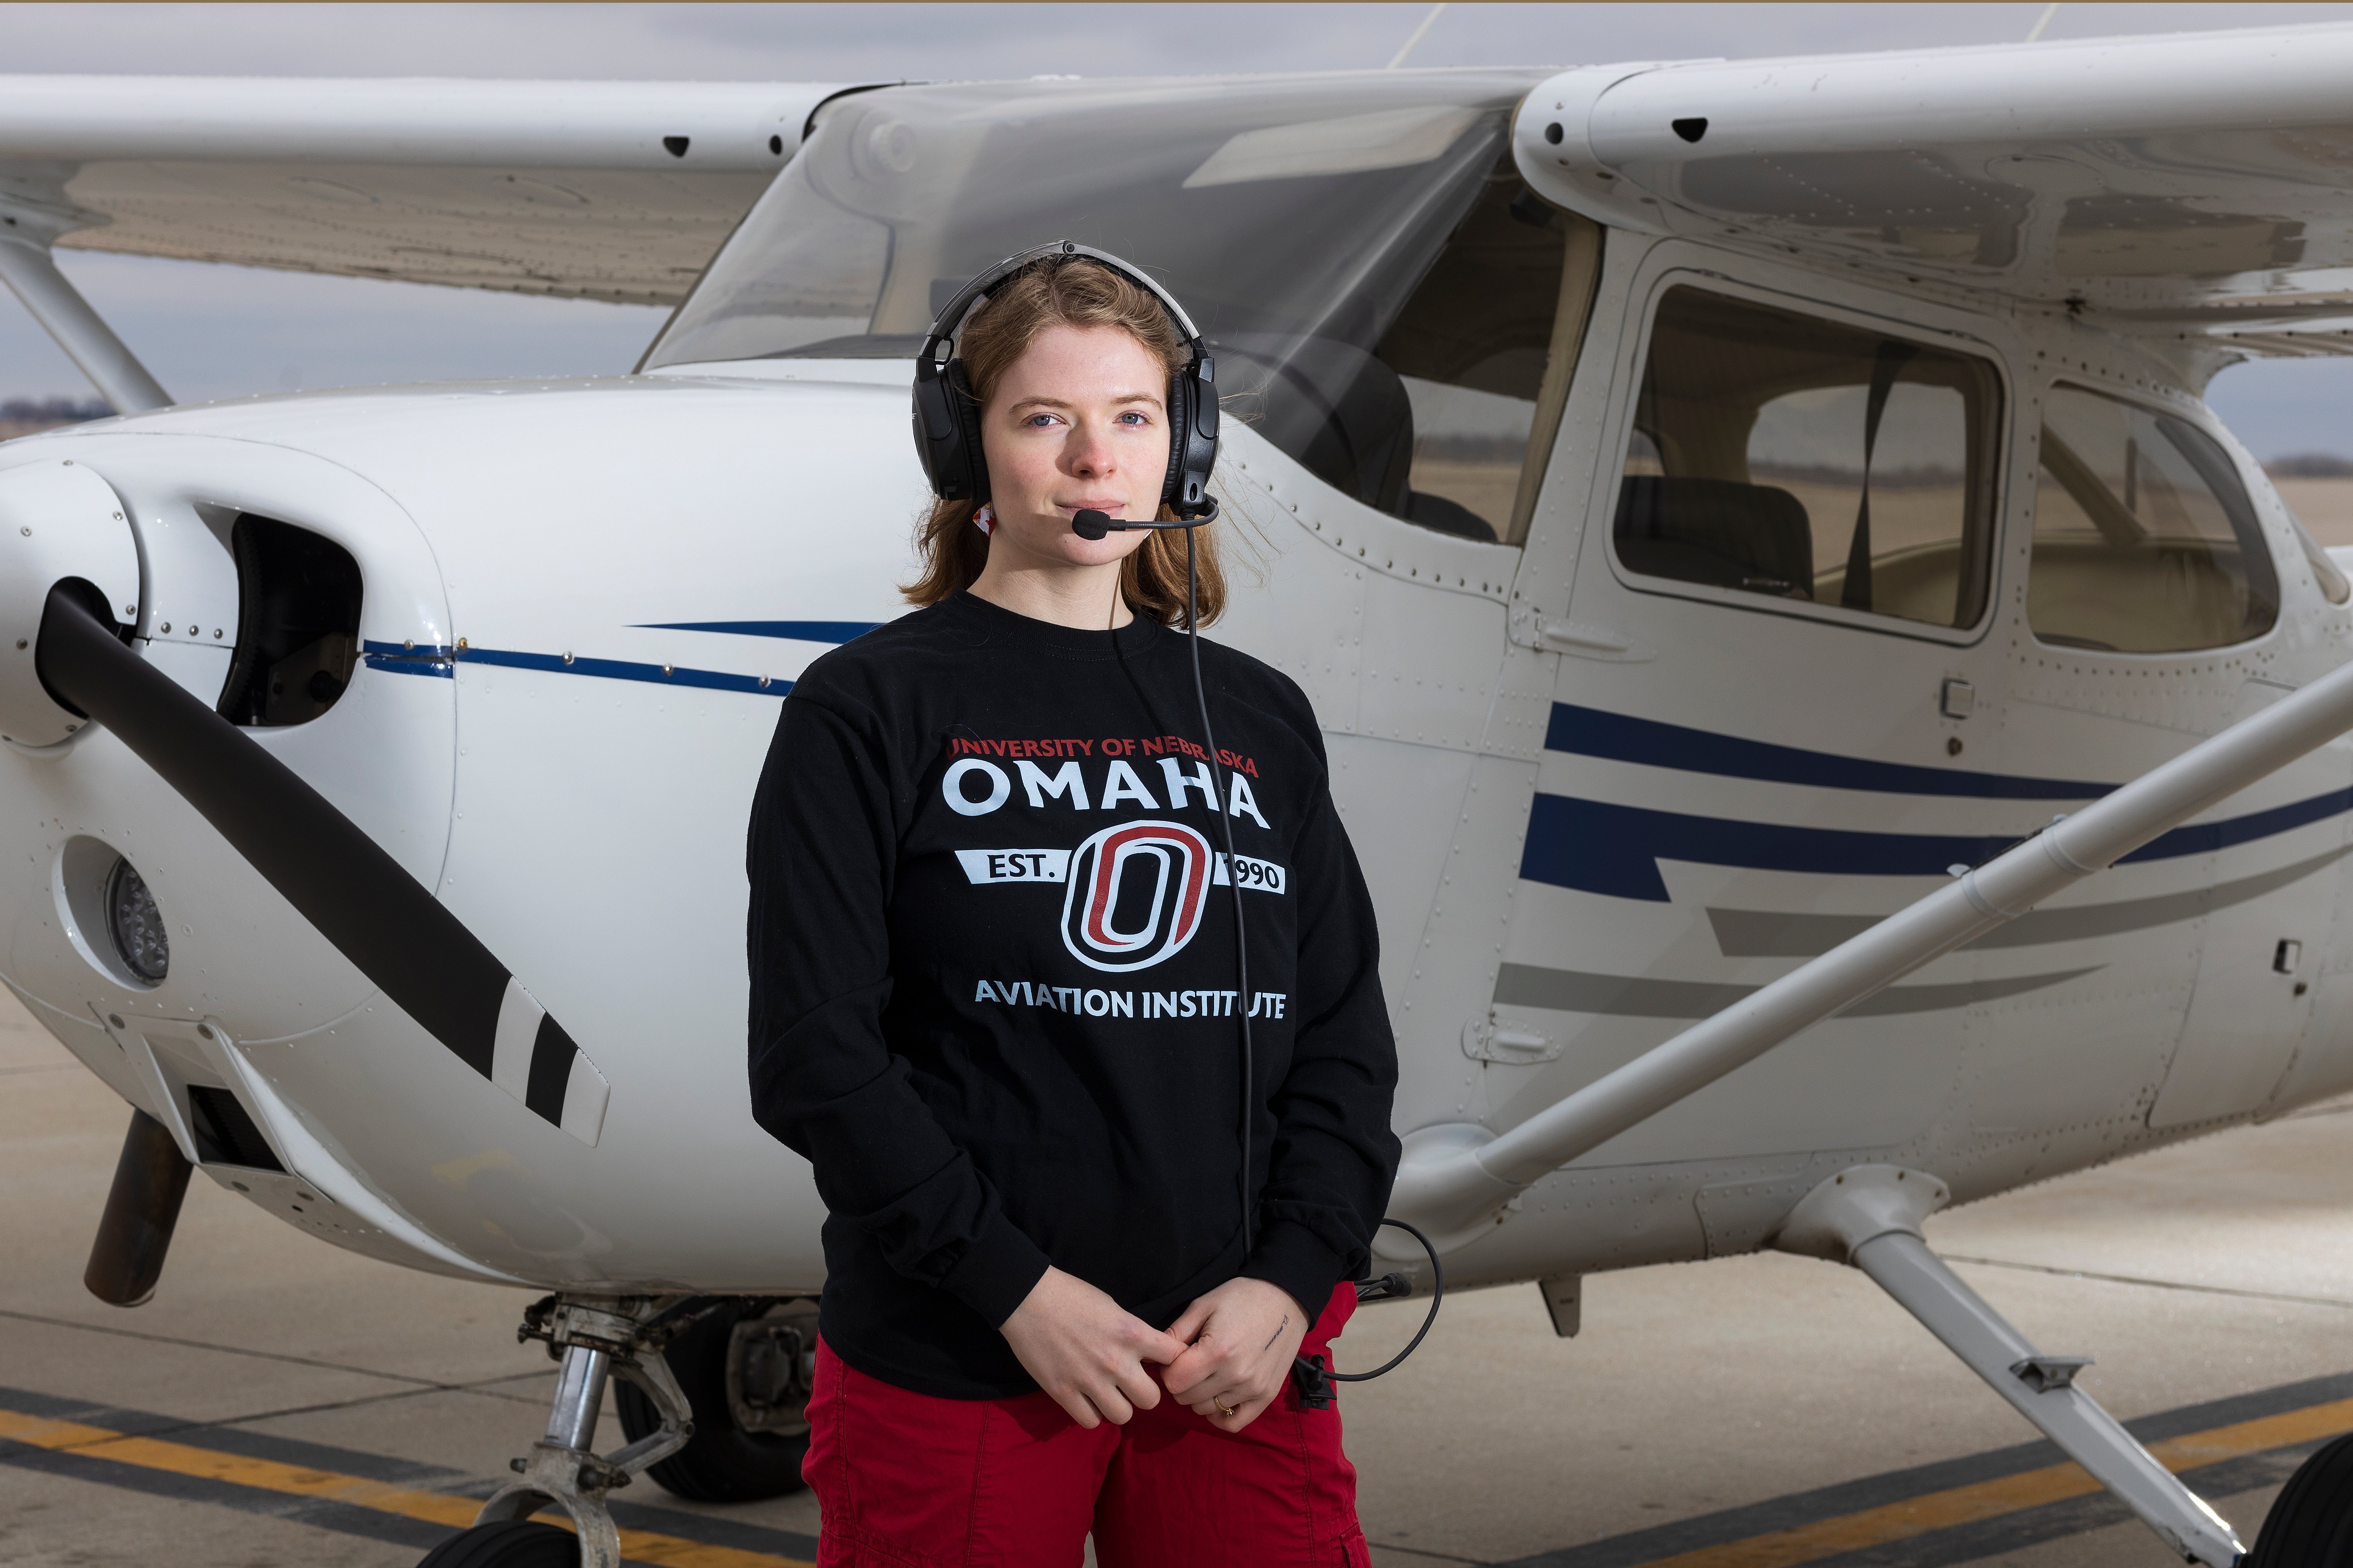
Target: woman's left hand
(1241, 1340)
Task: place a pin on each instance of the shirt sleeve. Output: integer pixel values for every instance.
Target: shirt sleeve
(821, 858)
(1334, 1155)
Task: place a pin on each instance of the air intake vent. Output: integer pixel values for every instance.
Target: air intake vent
(297, 624)
(226, 1135)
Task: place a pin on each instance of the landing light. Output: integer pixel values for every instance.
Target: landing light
(136, 924)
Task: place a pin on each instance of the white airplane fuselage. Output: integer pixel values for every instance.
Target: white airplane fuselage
(1590, 811)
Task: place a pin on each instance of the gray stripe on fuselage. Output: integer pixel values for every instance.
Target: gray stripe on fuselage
(1769, 933)
(1627, 997)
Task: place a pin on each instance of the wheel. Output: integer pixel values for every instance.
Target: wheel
(749, 1438)
(2311, 1525)
(508, 1544)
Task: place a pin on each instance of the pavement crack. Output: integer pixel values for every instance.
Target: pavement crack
(423, 1385)
(2154, 1284)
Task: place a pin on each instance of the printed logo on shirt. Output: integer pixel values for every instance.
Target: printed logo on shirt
(975, 787)
(984, 866)
(1134, 895)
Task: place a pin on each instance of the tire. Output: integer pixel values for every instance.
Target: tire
(722, 1462)
(508, 1544)
(2311, 1525)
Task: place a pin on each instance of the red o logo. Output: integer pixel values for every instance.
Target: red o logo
(1134, 895)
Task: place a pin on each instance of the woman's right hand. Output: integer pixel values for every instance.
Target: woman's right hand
(1086, 1351)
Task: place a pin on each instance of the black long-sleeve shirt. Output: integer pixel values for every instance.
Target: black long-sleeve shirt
(993, 983)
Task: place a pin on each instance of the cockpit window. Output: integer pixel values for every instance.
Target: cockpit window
(1793, 457)
(1297, 219)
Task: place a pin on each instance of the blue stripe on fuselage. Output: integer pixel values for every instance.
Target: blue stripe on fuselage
(793, 631)
(442, 661)
(1619, 737)
(1597, 847)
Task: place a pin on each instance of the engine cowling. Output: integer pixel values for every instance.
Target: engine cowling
(59, 522)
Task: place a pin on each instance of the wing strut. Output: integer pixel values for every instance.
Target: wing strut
(29, 270)
(1455, 1176)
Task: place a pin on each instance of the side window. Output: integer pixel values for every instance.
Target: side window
(1780, 454)
(2144, 540)
(1476, 352)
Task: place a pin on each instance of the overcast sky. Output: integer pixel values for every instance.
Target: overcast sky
(209, 332)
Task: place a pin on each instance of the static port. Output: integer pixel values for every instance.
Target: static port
(136, 924)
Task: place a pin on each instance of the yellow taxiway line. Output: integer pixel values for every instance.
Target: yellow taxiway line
(1790, 1548)
(1933, 1511)
(268, 1474)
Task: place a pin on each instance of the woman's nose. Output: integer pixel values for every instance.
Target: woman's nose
(1086, 453)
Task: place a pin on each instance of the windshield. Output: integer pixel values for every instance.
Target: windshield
(1293, 218)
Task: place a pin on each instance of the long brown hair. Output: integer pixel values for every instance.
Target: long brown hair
(1066, 292)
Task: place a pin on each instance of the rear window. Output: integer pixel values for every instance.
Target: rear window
(2144, 540)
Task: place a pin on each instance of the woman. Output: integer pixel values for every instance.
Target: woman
(995, 1004)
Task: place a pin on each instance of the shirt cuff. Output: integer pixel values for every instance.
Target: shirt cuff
(1295, 1257)
(999, 1269)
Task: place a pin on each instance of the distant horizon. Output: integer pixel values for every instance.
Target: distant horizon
(29, 415)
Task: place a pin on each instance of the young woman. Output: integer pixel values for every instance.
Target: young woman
(995, 1004)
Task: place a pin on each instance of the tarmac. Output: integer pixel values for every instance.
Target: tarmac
(280, 1402)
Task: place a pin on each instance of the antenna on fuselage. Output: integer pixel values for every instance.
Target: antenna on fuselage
(1398, 58)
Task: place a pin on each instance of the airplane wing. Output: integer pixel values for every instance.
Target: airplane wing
(616, 191)
(2191, 185)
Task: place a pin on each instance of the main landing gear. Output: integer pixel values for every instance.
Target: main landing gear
(1869, 1216)
(746, 1364)
(712, 1393)
(2311, 1525)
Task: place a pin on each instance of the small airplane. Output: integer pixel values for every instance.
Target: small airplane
(1833, 725)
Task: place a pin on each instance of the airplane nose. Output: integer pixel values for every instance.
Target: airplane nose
(60, 522)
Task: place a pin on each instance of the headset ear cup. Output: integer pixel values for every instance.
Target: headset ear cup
(1193, 452)
(935, 430)
(971, 464)
(1181, 436)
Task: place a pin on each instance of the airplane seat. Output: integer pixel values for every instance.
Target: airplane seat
(1718, 532)
(2170, 595)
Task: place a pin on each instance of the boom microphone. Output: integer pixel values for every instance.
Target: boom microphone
(1092, 524)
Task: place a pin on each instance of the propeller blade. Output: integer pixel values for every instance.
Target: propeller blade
(385, 920)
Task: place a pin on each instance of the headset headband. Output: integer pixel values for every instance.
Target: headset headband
(952, 316)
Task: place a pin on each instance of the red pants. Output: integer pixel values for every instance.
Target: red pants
(907, 1480)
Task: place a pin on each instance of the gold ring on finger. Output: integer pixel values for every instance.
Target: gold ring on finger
(1223, 1408)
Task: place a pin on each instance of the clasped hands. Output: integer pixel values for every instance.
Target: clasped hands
(1226, 1356)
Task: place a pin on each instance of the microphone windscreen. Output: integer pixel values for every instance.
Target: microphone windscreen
(1091, 523)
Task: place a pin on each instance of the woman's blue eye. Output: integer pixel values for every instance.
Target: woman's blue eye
(1133, 417)
(1040, 419)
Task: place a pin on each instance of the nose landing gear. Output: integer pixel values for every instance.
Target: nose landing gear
(594, 1339)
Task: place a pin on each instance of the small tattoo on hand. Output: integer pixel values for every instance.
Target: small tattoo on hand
(1277, 1335)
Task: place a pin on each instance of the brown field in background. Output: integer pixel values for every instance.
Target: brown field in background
(2325, 505)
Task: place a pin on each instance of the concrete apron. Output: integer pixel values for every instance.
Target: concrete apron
(280, 1401)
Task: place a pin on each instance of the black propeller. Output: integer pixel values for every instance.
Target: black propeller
(361, 899)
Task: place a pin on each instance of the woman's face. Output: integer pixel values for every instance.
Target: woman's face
(1078, 422)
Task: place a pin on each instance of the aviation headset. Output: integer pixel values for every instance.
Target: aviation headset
(947, 440)
(947, 415)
